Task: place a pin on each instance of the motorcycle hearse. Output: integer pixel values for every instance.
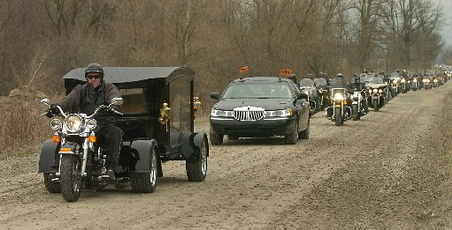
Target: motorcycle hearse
(157, 120)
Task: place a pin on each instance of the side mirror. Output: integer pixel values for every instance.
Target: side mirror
(117, 101)
(215, 95)
(45, 101)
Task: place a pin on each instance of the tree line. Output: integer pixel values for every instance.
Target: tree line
(43, 39)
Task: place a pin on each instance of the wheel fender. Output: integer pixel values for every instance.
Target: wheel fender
(47, 160)
(143, 150)
(197, 142)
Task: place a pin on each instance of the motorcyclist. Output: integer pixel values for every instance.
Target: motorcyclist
(85, 98)
(338, 82)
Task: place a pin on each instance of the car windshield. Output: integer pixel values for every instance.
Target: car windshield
(307, 82)
(320, 82)
(376, 80)
(257, 90)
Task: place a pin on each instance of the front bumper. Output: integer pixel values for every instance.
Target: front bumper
(261, 128)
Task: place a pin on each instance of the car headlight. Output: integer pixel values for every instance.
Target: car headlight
(375, 91)
(91, 124)
(338, 97)
(74, 123)
(56, 124)
(221, 113)
(279, 113)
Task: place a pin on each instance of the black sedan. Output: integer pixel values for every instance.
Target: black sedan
(260, 107)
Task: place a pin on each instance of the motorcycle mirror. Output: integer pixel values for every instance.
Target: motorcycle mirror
(45, 101)
(117, 101)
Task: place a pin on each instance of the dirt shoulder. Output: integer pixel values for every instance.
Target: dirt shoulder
(390, 170)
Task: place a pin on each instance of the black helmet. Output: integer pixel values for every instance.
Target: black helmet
(94, 68)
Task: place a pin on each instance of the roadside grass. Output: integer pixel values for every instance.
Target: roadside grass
(21, 128)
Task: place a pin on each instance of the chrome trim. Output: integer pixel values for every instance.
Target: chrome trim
(276, 119)
(221, 119)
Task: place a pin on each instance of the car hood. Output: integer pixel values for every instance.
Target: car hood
(374, 85)
(267, 104)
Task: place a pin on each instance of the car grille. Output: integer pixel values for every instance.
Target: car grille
(248, 113)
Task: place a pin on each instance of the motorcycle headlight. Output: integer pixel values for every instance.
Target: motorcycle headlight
(380, 91)
(435, 81)
(338, 97)
(375, 91)
(91, 124)
(279, 113)
(403, 80)
(56, 124)
(414, 80)
(74, 123)
(221, 113)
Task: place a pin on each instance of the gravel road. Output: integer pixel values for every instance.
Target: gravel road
(391, 170)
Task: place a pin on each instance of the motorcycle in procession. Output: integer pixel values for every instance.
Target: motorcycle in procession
(359, 105)
(308, 87)
(404, 85)
(340, 110)
(322, 86)
(414, 83)
(427, 82)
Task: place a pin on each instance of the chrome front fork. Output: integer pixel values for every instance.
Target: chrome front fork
(85, 157)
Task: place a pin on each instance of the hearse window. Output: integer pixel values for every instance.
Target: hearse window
(133, 100)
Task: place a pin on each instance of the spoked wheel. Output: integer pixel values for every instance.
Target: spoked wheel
(71, 179)
(146, 182)
(338, 117)
(355, 112)
(197, 168)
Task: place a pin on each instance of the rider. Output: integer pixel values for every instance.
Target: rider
(85, 98)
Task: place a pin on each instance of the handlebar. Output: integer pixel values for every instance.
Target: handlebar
(108, 107)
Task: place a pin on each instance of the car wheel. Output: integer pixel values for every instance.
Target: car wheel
(51, 186)
(197, 168)
(146, 182)
(305, 133)
(292, 136)
(215, 138)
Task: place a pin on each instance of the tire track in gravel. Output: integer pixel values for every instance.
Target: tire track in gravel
(380, 190)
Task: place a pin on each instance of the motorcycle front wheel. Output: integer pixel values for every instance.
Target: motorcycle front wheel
(355, 112)
(70, 177)
(338, 117)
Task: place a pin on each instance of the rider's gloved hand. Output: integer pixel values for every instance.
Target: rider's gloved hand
(53, 111)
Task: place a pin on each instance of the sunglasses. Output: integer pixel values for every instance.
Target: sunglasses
(92, 77)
